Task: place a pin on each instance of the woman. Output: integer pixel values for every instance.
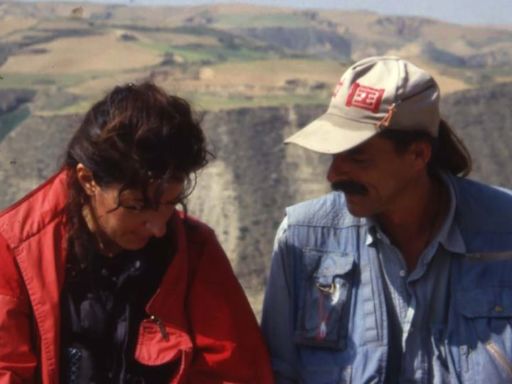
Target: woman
(103, 280)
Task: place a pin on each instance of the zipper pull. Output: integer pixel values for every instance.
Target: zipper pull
(161, 327)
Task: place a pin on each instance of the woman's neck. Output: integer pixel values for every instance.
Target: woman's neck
(105, 246)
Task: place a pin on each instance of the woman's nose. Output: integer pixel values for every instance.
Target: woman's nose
(157, 222)
(156, 228)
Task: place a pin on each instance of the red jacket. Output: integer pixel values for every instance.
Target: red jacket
(199, 315)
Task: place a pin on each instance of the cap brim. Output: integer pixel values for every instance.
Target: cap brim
(332, 134)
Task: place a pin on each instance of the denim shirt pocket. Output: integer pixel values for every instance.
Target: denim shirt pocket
(324, 306)
(488, 314)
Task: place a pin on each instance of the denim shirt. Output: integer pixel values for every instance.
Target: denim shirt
(416, 301)
(333, 292)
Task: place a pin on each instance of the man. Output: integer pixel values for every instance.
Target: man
(404, 276)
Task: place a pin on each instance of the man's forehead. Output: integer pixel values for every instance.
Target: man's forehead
(357, 150)
(364, 147)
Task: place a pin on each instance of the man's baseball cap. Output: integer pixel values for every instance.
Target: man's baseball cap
(373, 94)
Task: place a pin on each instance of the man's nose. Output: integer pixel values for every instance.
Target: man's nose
(339, 168)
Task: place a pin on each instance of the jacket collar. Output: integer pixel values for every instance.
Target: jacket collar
(168, 302)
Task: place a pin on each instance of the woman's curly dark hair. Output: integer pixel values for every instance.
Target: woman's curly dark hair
(134, 136)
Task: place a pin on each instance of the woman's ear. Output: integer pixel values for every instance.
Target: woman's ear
(86, 179)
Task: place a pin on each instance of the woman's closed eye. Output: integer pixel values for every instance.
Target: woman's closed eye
(140, 207)
(134, 206)
(173, 202)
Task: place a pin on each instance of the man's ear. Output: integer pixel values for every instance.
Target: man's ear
(421, 152)
(86, 179)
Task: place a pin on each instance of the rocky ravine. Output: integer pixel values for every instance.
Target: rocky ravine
(243, 192)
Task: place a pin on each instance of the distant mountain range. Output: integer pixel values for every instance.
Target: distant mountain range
(224, 56)
(469, 12)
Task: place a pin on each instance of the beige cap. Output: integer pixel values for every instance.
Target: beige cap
(373, 94)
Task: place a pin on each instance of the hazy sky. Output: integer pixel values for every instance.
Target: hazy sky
(460, 11)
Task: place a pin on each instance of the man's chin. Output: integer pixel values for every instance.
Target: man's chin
(357, 213)
(356, 209)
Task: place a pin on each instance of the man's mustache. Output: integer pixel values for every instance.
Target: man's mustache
(349, 187)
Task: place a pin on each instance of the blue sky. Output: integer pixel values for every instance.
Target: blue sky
(497, 12)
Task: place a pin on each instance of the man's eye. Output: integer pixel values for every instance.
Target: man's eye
(360, 160)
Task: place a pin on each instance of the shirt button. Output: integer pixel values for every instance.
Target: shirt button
(403, 273)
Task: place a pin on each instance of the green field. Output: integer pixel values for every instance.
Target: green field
(215, 102)
(245, 20)
(197, 54)
(202, 53)
(40, 80)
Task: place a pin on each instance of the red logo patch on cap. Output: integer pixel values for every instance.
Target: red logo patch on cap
(364, 97)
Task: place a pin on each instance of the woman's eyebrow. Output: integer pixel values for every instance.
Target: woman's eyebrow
(170, 202)
(134, 198)
(173, 200)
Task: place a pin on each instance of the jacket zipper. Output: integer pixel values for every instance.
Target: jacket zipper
(163, 331)
(499, 356)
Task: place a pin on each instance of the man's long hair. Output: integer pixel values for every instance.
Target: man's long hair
(449, 153)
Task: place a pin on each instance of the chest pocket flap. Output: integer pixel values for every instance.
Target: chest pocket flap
(488, 311)
(485, 302)
(158, 344)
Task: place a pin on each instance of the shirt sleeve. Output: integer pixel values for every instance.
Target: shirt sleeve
(277, 319)
(17, 360)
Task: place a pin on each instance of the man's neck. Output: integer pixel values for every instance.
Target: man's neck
(416, 218)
